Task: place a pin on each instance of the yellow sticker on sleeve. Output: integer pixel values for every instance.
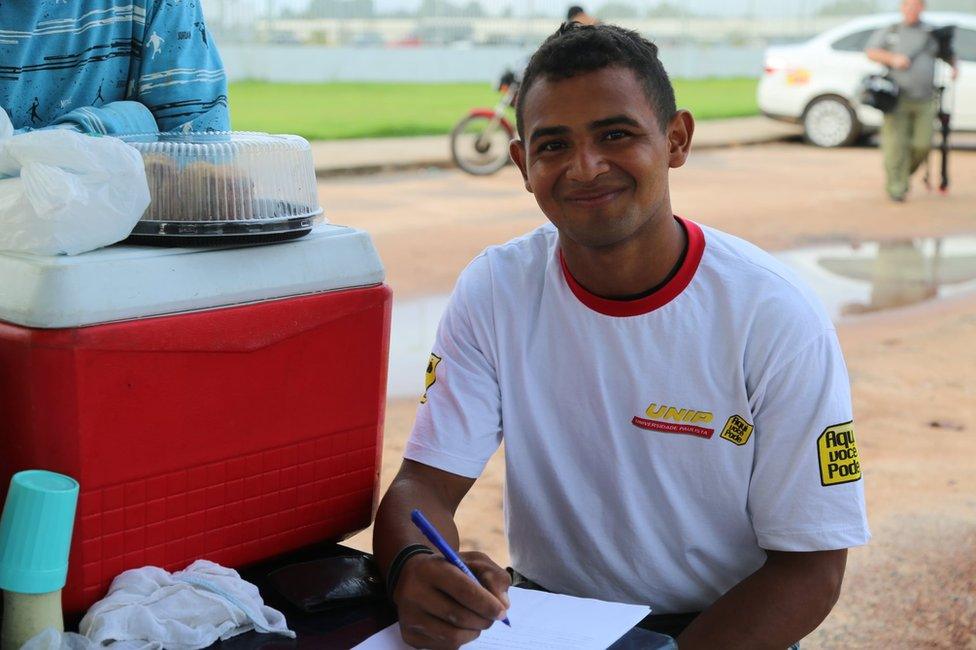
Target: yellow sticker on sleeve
(431, 376)
(837, 451)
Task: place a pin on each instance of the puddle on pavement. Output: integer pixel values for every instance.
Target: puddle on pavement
(412, 331)
(849, 279)
(875, 276)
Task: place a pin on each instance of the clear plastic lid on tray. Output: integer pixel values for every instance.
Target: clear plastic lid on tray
(215, 185)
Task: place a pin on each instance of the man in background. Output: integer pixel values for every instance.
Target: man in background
(909, 50)
(111, 67)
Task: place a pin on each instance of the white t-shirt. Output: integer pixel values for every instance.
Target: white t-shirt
(653, 447)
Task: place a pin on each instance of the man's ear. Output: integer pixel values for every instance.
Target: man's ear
(680, 130)
(516, 149)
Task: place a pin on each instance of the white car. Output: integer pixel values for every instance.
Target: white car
(816, 82)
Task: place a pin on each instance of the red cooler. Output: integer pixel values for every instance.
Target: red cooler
(221, 403)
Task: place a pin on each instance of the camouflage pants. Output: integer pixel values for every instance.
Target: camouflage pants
(906, 139)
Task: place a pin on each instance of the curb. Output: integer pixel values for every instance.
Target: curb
(445, 163)
(368, 169)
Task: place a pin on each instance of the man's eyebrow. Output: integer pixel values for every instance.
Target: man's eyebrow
(598, 124)
(543, 131)
(616, 119)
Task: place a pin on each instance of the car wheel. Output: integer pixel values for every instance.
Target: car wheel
(830, 122)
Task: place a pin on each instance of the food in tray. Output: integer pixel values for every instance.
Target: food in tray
(163, 175)
(228, 184)
(219, 190)
(199, 191)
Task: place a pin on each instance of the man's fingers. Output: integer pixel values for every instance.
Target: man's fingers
(494, 578)
(449, 606)
(445, 608)
(430, 632)
(471, 594)
(441, 607)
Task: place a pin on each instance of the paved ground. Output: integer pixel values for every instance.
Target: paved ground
(428, 224)
(912, 371)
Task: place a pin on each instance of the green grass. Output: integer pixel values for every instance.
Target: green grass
(331, 111)
(711, 99)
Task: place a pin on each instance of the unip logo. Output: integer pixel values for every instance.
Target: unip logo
(672, 419)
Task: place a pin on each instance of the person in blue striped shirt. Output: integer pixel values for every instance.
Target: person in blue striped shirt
(110, 67)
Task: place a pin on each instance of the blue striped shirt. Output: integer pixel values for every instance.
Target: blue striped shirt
(63, 61)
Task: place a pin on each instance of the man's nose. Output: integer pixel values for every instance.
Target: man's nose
(586, 164)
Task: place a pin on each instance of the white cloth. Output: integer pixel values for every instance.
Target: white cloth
(187, 609)
(651, 455)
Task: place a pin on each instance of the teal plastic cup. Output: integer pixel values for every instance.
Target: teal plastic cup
(35, 532)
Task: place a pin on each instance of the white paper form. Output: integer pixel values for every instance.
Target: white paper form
(541, 621)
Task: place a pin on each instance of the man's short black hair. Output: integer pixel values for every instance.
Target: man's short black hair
(574, 11)
(577, 49)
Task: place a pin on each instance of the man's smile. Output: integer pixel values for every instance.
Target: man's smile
(594, 197)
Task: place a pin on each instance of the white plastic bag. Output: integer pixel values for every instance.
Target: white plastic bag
(6, 126)
(66, 193)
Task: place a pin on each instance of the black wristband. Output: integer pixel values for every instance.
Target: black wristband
(393, 575)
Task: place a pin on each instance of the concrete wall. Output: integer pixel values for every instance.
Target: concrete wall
(487, 30)
(286, 63)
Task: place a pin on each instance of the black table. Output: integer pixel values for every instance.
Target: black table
(345, 627)
(338, 629)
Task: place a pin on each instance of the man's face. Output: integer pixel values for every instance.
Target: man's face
(911, 10)
(595, 156)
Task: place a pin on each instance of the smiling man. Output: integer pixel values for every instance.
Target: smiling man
(674, 404)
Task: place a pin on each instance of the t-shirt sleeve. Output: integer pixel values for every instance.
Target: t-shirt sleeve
(877, 40)
(458, 424)
(806, 492)
(181, 78)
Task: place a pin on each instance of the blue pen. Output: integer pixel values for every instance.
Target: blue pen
(427, 528)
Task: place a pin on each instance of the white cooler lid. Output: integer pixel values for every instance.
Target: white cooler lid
(124, 282)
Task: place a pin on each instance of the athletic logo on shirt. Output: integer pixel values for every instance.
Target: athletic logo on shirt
(431, 375)
(672, 419)
(737, 430)
(837, 451)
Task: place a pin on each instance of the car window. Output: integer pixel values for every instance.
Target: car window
(853, 42)
(965, 44)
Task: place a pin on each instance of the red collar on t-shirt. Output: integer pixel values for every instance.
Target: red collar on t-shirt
(661, 297)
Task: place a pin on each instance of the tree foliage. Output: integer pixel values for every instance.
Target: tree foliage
(340, 9)
(616, 10)
(849, 8)
(668, 9)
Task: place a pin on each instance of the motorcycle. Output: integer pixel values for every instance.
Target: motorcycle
(479, 142)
